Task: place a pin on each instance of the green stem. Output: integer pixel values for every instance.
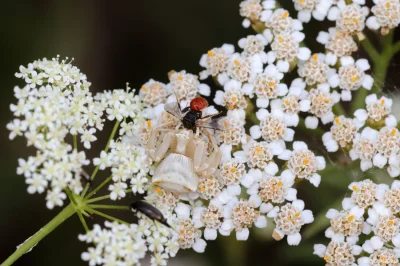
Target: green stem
(83, 221)
(70, 196)
(115, 128)
(33, 240)
(105, 215)
(98, 198)
(112, 135)
(396, 48)
(370, 49)
(109, 207)
(381, 64)
(99, 187)
(75, 143)
(338, 109)
(104, 197)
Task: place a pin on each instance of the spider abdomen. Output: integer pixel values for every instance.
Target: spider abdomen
(176, 174)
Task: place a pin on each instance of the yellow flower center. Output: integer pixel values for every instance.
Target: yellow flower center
(337, 121)
(236, 62)
(387, 4)
(203, 188)
(280, 39)
(233, 170)
(179, 77)
(149, 123)
(351, 218)
(306, 161)
(159, 191)
(383, 101)
(258, 149)
(391, 222)
(286, 101)
(285, 15)
(315, 57)
(144, 88)
(355, 20)
(297, 214)
(355, 188)
(394, 131)
(271, 83)
(210, 53)
(279, 184)
(326, 258)
(354, 78)
(234, 99)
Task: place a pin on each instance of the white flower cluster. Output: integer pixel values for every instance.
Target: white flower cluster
(372, 136)
(120, 244)
(54, 104)
(367, 231)
(129, 165)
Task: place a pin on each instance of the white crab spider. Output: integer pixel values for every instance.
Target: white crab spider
(183, 156)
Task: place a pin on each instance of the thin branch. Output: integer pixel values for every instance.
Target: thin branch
(109, 207)
(370, 49)
(83, 221)
(99, 187)
(105, 215)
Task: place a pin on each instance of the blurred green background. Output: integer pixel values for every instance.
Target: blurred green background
(115, 42)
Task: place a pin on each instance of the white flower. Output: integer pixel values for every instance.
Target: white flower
(305, 9)
(321, 105)
(289, 220)
(302, 163)
(55, 198)
(386, 15)
(104, 160)
(285, 49)
(364, 147)
(88, 137)
(117, 190)
(251, 10)
(351, 76)
(350, 19)
(216, 61)
(93, 256)
(341, 134)
(37, 183)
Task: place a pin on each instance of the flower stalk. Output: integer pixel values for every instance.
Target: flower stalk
(42, 233)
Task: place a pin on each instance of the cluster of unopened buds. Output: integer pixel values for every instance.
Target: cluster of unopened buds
(208, 169)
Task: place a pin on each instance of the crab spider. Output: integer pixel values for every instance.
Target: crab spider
(183, 157)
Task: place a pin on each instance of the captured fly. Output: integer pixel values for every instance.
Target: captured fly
(192, 117)
(150, 211)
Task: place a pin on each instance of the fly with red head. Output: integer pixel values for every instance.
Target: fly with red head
(192, 116)
(198, 104)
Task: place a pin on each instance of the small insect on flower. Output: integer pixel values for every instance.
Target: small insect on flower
(150, 211)
(192, 116)
(187, 151)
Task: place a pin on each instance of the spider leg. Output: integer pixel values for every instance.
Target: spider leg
(153, 140)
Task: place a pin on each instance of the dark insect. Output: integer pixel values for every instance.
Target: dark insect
(150, 211)
(192, 116)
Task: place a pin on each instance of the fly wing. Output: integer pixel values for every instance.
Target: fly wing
(211, 122)
(174, 109)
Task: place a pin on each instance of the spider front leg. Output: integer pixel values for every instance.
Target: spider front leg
(214, 159)
(154, 145)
